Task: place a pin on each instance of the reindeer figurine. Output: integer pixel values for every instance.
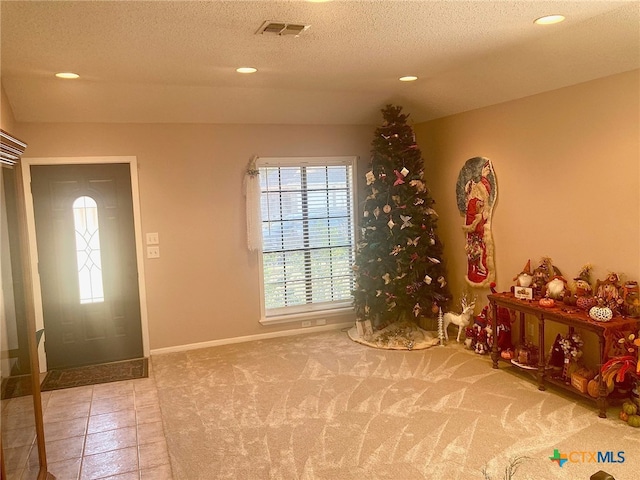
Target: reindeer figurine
(460, 319)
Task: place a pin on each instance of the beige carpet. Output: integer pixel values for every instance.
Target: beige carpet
(320, 406)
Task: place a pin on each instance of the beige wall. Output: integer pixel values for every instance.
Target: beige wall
(205, 285)
(567, 164)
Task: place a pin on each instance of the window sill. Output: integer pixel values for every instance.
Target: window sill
(313, 315)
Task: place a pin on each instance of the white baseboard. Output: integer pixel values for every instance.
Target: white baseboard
(251, 338)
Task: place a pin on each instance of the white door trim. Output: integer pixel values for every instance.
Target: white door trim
(26, 163)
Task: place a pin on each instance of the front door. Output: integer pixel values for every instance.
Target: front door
(87, 263)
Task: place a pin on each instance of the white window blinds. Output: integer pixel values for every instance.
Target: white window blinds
(307, 233)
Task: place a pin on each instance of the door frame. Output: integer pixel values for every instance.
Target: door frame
(132, 161)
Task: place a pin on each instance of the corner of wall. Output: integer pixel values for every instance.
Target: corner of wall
(7, 119)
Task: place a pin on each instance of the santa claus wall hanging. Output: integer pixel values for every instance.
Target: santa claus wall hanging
(476, 192)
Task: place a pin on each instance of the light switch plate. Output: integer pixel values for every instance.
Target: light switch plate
(153, 238)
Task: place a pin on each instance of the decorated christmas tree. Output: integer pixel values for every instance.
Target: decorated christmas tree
(399, 270)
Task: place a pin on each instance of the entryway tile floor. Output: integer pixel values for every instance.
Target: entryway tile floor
(108, 431)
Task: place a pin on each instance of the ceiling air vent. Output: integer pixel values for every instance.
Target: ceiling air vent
(281, 28)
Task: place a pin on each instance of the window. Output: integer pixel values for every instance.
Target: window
(307, 234)
(85, 219)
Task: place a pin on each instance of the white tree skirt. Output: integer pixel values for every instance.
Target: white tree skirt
(401, 335)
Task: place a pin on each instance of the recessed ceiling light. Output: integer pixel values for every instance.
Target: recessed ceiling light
(246, 70)
(408, 78)
(549, 19)
(67, 75)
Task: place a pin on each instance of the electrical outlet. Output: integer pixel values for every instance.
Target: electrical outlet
(322, 321)
(153, 252)
(153, 238)
(306, 323)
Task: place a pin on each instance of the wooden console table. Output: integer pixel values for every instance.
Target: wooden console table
(566, 315)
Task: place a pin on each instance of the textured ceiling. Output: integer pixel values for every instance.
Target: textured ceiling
(168, 61)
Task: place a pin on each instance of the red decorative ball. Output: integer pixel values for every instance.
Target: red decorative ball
(435, 308)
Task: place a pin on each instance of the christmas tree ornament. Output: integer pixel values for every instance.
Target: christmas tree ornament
(413, 242)
(404, 171)
(442, 281)
(370, 177)
(435, 308)
(417, 309)
(399, 178)
(431, 211)
(433, 260)
(428, 279)
(365, 214)
(387, 279)
(391, 224)
(386, 208)
(376, 212)
(418, 201)
(418, 185)
(406, 222)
